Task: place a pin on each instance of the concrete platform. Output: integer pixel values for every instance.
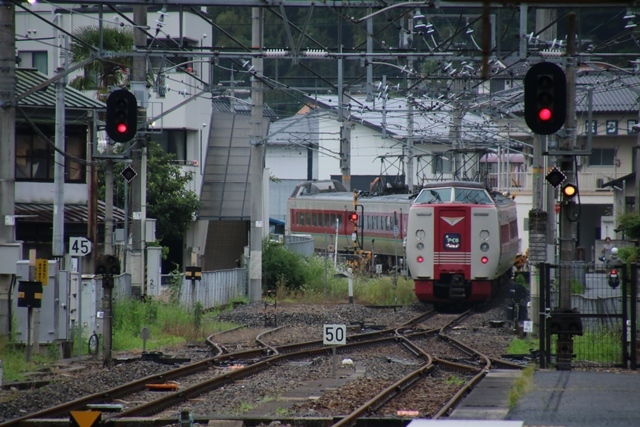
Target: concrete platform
(489, 400)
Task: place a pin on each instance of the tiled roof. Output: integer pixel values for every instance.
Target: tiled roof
(431, 118)
(27, 78)
(612, 93)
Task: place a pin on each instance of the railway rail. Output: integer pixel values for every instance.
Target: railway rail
(208, 375)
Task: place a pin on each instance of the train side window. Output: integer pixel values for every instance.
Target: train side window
(314, 219)
(300, 218)
(327, 220)
(513, 225)
(333, 219)
(307, 219)
(504, 233)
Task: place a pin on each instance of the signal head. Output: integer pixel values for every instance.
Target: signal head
(545, 93)
(569, 191)
(122, 115)
(353, 217)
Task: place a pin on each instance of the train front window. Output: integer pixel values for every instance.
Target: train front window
(434, 195)
(473, 195)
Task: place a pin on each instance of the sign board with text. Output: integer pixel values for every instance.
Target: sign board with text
(334, 334)
(79, 246)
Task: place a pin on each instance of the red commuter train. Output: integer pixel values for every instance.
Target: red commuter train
(462, 242)
(322, 209)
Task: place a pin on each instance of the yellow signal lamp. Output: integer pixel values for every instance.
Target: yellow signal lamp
(569, 191)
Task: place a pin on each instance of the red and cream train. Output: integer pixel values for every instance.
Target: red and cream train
(461, 240)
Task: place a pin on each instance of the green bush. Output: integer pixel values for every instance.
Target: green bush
(629, 254)
(630, 222)
(279, 264)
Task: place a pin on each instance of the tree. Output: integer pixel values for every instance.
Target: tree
(101, 72)
(168, 199)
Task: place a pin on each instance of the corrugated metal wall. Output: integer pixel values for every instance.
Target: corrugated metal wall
(215, 289)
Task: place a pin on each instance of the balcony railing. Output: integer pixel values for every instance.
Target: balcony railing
(587, 181)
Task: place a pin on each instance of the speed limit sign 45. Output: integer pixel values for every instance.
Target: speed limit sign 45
(334, 335)
(79, 246)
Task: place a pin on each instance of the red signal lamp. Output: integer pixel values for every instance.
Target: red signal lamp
(545, 114)
(420, 259)
(484, 260)
(353, 217)
(121, 127)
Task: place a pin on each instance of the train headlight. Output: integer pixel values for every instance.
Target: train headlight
(420, 259)
(420, 246)
(484, 259)
(484, 247)
(420, 234)
(484, 234)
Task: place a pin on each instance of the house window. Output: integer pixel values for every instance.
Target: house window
(76, 147)
(35, 59)
(602, 157)
(35, 159)
(173, 141)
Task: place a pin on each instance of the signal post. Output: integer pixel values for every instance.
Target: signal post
(549, 101)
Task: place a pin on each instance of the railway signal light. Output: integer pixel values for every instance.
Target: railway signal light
(353, 217)
(545, 98)
(569, 191)
(122, 115)
(107, 265)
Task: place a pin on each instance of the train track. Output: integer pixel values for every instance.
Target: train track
(208, 375)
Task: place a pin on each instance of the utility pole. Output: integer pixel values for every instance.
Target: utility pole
(139, 155)
(369, 51)
(410, 117)
(92, 196)
(59, 167)
(455, 136)
(567, 164)
(538, 219)
(256, 166)
(7, 148)
(345, 129)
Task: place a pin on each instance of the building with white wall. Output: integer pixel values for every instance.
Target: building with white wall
(179, 102)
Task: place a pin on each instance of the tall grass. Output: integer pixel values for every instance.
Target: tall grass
(169, 324)
(14, 362)
(324, 284)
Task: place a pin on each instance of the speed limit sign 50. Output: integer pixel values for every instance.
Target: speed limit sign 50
(334, 335)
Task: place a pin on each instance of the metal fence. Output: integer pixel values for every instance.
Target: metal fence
(302, 244)
(593, 325)
(216, 288)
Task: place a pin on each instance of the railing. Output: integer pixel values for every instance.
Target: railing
(302, 244)
(216, 288)
(587, 181)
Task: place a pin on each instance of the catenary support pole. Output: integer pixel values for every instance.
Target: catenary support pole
(257, 158)
(7, 148)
